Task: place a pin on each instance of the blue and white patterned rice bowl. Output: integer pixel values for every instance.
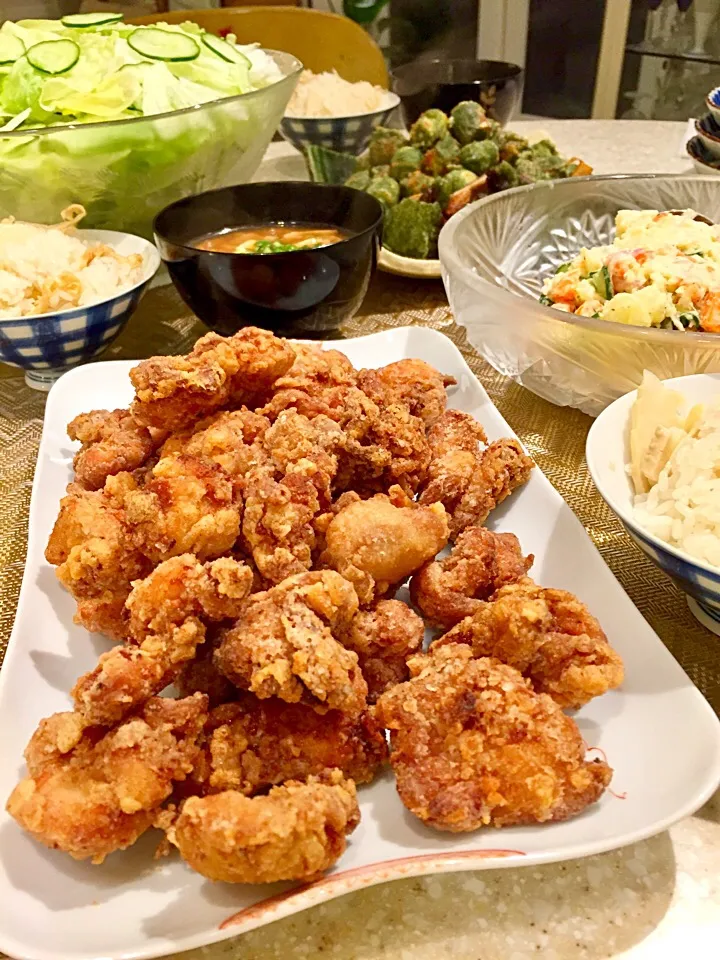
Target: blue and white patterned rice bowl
(344, 134)
(607, 455)
(712, 101)
(47, 345)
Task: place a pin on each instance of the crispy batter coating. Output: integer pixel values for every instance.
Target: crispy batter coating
(232, 439)
(112, 442)
(546, 634)
(92, 548)
(384, 638)
(284, 645)
(410, 382)
(168, 613)
(218, 372)
(468, 481)
(310, 384)
(90, 792)
(481, 562)
(201, 675)
(377, 543)
(296, 832)
(254, 744)
(472, 744)
(188, 505)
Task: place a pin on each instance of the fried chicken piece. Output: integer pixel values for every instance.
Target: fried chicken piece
(546, 634)
(232, 439)
(201, 675)
(188, 505)
(96, 561)
(254, 744)
(377, 543)
(296, 832)
(413, 383)
(384, 638)
(310, 383)
(469, 482)
(90, 792)
(218, 372)
(481, 562)
(472, 744)
(112, 442)
(284, 644)
(168, 613)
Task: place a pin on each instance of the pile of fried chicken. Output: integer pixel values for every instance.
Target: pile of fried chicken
(241, 532)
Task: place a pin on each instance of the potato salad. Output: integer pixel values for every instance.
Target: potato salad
(662, 270)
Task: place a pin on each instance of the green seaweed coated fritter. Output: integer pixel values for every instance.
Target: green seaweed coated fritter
(429, 127)
(446, 186)
(479, 156)
(404, 161)
(412, 228)
(442, 157)
(418, 184)
(382, 171)
(383, 144)
(360, 180)
(468, 122)
(384, 189)
(502, 177)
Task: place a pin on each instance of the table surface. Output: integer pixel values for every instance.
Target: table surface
(649, 901)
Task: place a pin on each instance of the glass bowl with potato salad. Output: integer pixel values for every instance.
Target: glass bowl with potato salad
(661, 270)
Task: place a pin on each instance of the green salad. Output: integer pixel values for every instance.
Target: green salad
(88, 69)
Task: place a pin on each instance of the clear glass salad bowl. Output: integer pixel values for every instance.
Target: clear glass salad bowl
(125, 171)
(496, 253)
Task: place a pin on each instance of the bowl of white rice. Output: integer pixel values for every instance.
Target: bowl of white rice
(654, 456)
(65, 293)
(326, 110)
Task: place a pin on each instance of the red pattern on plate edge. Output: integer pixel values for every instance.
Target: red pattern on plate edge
(370, 869)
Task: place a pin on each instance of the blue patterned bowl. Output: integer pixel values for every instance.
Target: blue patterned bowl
(344, 134)
(607, 454)
(708, 133)
(712, 101)
(47, 345)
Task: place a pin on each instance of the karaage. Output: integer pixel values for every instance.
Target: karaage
(170, 392)
(296, 832)
(90, 792)
(481, 562)
(284, 644)
(412, 383)
(377, 543)
(469, 481)
(112, 442)
(232, 439)
(253, 744)
(168, 612)
(472, 745)
(546, 634)
(384, 638)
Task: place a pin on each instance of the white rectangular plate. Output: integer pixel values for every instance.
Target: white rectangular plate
(658, 732)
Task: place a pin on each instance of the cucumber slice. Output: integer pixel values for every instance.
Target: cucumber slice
(11, 48)
(602, 283)
(54, 56)
(224, 49)
(157, 44)
(90, 19)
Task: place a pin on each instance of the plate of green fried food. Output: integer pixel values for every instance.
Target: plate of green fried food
(425, 176)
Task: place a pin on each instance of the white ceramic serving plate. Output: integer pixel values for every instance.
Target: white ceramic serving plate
(658, 732)
(408, 266)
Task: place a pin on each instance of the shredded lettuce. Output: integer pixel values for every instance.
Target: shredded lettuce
(125, 173)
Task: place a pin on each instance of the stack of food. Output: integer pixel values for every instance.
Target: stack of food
(446, 162)
(241, 530)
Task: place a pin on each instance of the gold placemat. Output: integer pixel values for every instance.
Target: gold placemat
(555, 436)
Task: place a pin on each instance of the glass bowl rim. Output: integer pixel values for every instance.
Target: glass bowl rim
(294, 67)
(450, 258)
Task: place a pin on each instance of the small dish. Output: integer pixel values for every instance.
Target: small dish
(344, 134)
(607, 457)
(702, 160)
(46, 345)
(408, 266)
(495, 84)
(708, 133)
(712, 101)
(304, 292)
